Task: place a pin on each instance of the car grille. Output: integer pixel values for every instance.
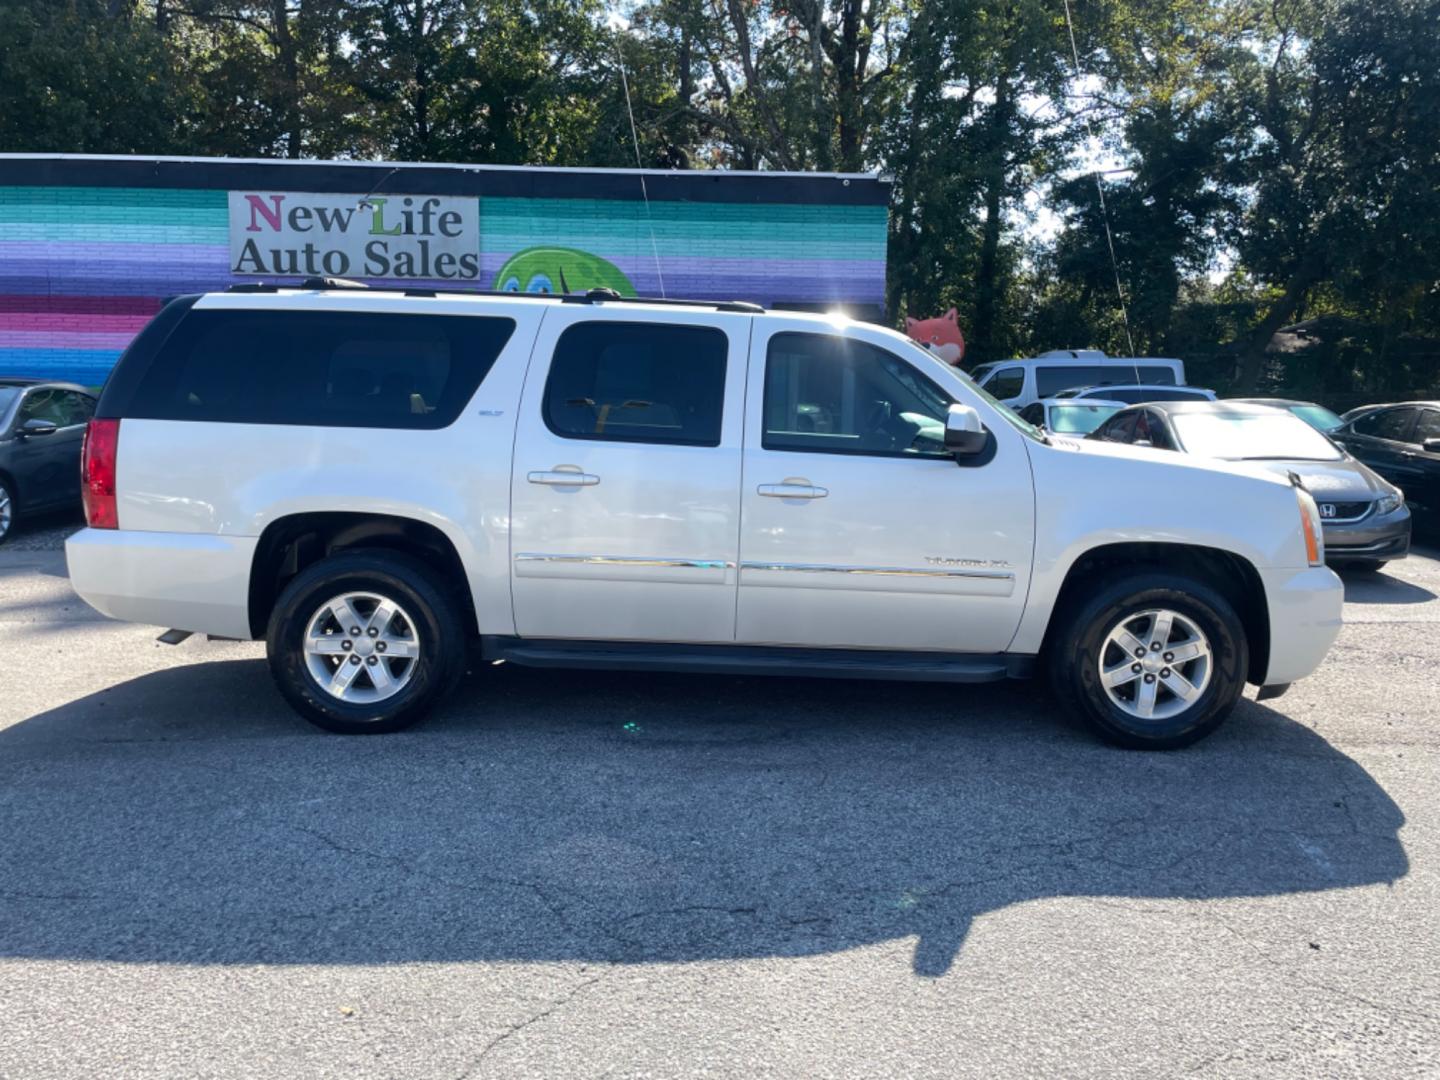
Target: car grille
(1337, 512)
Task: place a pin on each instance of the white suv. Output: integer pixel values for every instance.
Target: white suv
(374, 480)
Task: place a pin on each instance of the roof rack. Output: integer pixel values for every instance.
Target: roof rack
(591, 296)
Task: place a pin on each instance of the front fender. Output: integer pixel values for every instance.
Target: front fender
(1090, 495)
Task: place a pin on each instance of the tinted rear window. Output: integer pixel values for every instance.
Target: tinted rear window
(327, 369)
(1049, 381)
(638, 382)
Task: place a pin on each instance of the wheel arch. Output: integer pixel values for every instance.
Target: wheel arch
(291, 543)
(1233, 575)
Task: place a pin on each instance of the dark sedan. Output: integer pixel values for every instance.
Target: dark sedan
(1365, 519)
(1402, 443)
(42, 426)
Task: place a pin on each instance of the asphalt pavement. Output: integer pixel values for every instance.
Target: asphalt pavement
(582, 874)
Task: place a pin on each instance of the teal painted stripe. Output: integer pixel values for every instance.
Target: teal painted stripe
(90, 232)
(734, 230)
(114, 206)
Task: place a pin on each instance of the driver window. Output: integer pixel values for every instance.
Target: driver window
(1120, 429)
(832, 395)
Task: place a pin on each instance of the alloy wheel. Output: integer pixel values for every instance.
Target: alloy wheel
(361, 647)
(1155, 664)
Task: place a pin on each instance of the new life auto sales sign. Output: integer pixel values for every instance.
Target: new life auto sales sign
(293, 233)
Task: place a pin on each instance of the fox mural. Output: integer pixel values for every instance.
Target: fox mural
(941, 335)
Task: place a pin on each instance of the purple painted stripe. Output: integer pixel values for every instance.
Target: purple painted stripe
(63, 339)
(59, 322)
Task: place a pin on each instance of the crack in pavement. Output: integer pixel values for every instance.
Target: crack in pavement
(515, 1029)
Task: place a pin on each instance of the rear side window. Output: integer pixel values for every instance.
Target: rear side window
(638, 382)
(1006, 383)
(1387, 424)
(1050, 380)
(325, 369)
(1428, 427)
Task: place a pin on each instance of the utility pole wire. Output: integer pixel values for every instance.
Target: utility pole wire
(635, 138)
(1104, 210)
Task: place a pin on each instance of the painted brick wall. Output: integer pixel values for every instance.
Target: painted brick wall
(83, 268)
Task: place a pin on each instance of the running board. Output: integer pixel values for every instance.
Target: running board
(758, 660)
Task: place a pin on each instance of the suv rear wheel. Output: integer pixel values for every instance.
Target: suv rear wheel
(365, 642)
(1151, 661)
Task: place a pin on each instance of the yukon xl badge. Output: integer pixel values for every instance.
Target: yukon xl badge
(987, 564)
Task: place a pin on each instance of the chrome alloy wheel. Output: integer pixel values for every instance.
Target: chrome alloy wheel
(1155, 664)
(7, 512)
(361, 647)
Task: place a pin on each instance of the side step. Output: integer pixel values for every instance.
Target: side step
(759, 660)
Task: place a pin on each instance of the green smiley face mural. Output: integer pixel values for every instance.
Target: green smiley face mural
(560, 270)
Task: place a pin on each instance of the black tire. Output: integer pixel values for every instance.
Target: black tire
(1074, 658)
(436, 625)
(8, 509)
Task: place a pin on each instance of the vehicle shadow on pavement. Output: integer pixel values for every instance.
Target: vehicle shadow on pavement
(188, 817)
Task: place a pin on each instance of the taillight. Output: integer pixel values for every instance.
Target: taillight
(97, 474)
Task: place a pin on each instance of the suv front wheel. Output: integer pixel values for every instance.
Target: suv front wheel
(365, 642)
(1152, 661)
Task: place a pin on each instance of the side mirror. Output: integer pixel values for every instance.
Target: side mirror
(965, 436)
(1431, 446)
(37, 427)
(1143, 442)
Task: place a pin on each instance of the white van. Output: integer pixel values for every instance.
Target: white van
(1019, 382)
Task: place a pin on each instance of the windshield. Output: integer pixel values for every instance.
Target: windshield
(1317, 416)
(1273, 436)
(8, 394)
(925, 358)
(980, 372)
(1078, 419)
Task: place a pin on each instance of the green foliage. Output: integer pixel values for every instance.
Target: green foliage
(1277, 159)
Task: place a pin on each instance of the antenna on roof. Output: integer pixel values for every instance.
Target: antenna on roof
(635, 139)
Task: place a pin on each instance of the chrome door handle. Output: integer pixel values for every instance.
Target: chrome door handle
(792, 490)
(564, 477)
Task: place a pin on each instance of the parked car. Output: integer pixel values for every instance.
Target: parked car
(1317, 416)
(1019, 382)
(42, 425)
(371, 479)
(1365, 519)
(1357, 412)
(1133, 394)
(1064, 416)
(1402, 443)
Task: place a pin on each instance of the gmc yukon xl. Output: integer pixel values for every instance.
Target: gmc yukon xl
(375, 482)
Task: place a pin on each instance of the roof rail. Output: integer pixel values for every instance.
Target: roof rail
(592, 296)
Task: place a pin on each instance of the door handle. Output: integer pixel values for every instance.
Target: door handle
(564, 476)
(792, 489)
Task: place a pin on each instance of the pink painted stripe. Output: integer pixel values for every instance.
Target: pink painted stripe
(45, 339)
(60, 322)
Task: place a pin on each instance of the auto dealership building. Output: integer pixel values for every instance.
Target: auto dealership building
(91, 247)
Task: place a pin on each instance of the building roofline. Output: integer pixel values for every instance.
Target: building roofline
(449, 165)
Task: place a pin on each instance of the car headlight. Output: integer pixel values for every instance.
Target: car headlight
(1388, 504)
(1310, 528)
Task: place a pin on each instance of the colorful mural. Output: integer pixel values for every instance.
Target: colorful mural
(560, 270)
(82, 268)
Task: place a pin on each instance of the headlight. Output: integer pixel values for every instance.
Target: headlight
(1388, 504)
(1310, 527)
